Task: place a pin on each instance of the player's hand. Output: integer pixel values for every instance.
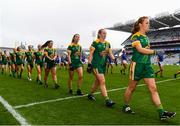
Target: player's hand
(156, 52)
(71, 68)
(89, 68)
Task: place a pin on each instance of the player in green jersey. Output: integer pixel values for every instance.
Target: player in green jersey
(12, 61)
(140, 68)
(50, 56)
(38, 55)
(4, 62)
(74, 51)
(0, 61)
(19, 57)
(99, 51)
(30, 61)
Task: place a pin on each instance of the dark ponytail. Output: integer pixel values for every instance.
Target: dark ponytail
(136, 27)
(46, 44)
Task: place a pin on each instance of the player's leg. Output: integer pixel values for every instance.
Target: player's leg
(124, 66)
(54, 77)
(17, 70)
(2, 69)
(93, 89)
(46, 77)
(159, 65)
(80, 80)
(71, 75)
(128, 95)
(9, 69)
(38, 68)
(29, 72)
(21, 70)
(102, 85)
(13, 69)
(156, 99)
(134, 76)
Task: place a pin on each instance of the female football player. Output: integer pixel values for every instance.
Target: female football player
(50, 56)
(12, 62)
(99, 50)
(19, 57)
(140, 68)
(74, 51)
(38, 56)
(30, 61)
(4, 62)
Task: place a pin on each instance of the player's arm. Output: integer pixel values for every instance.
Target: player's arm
(142, 50)
(55, 55)
(46, 55)
(92, 49)
(111, 54)
(69, 56)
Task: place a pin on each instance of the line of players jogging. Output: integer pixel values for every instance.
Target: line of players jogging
(100, 52)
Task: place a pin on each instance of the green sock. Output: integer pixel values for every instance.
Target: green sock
(125, 105)
(160, 109)
(106, 98)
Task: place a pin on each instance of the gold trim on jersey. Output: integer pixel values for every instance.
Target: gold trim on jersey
(135, 43)
(132, 70)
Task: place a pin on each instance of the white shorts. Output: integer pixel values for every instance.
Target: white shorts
(124, 62)
(161, 64)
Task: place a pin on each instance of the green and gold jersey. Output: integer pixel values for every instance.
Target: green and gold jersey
(76, 51)
(4, 58)
(143, 40)
(12, 56)
(101, 50)
(29, 56)
(19, 56)
(38, 56)
(49, 52)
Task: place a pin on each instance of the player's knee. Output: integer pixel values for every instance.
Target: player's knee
(101, 81)
(131, 88)
(39, 72)
(80, 77)
(153, 89)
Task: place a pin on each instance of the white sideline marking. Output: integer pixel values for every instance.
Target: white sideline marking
(74, 97)
(13, 112)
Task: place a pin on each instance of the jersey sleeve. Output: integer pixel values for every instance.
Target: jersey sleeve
(55, 51)
(135, 40)
(69, 47)
(93, 45)
(109, 45)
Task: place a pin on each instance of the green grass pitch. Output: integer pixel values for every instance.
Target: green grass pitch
(81, 111)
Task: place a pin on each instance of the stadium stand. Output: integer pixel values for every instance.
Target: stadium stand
(164, 35)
